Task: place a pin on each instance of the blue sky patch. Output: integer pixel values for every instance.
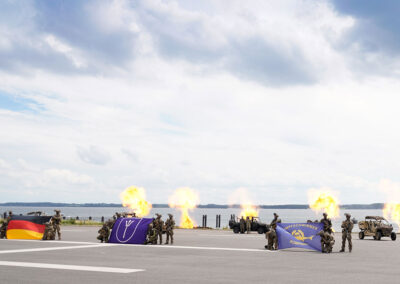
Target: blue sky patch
(17, 103)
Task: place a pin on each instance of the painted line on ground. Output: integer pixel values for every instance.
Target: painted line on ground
(53, 242)
(70, 267)
(52, 248)
(96, 244)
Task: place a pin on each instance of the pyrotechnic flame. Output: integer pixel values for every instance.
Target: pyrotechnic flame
(135, 198)
(324, 200)
(184, 199)
(242, 197)
(391, 211)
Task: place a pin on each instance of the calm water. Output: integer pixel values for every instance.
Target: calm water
(287, 215)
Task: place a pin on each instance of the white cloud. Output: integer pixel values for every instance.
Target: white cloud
(167, 120)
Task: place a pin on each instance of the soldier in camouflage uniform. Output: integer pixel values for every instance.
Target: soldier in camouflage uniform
(272, 238)
(327, 241)
(248, 224)
(151, 234)
(347, 227)
(49, 233)
(275, 220)
(159, 224)
(104, 233)
(169, 229)
(327, 223)
(57, 222)
(3, 228)
(242, 225)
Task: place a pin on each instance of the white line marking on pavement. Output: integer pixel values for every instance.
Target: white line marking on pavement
(203, 248)
(52, 248)
(70, 267)
(53, 242)
(93, 244)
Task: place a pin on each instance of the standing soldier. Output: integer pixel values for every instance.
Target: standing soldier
(169, 228)
(248, 224)
(275, 220)
(159, 224)
(327, 241)
(57, 222)
(242, 225)
(327, 224)
(3, 229)
(347, 227)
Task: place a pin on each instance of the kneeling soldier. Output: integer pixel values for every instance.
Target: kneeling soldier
(327, 241)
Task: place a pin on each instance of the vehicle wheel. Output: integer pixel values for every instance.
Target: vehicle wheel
(260, 230)
(378, 236)
(236, 230)
(393, 236)
(361, 235)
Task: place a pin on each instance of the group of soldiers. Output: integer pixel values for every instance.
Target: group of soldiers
(327, 238)
(157, 227)
(245, 225)
(272, 238)
(53, 227)
(154, 232)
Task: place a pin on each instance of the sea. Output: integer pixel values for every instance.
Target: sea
(266, 215)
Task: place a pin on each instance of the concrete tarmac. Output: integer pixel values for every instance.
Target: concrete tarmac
(197, 256)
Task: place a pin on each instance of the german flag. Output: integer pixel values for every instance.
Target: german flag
(27, 227)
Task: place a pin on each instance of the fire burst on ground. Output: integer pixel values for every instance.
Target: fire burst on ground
(185, 199)
(324, 200)
(391, 211)
(241, 196)
(135, 198)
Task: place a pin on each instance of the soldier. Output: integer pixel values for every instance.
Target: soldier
(347, 227)
(275, 220)
(248, 224)
(159, 224)
(57, 222)
(272, 238)
(242, 225)
(327, 223)
(169, 228)
(117, 215)
(151, 234)
(49, 233)
(3, 230)
(327, 241)
(104, 233)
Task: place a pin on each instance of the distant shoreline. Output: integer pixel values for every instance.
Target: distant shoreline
(211, 206)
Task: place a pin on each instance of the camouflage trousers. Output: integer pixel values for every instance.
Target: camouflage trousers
(242, 229)
(327, 246)
(159, 236)
(248, 228)
(57, 229)
(170, 234)
(272, 240)
(347, 236)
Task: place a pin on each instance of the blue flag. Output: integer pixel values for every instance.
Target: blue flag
(299, 235)
(130, 230)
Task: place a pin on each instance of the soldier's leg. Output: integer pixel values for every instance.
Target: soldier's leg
(343, 242)
(350, 242)
(276, 243)
(59, 232)
(167, 241)
(172, 238)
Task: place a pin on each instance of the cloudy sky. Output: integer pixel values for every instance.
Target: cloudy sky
(274, 96)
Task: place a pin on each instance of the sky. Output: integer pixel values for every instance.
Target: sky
(278, 97)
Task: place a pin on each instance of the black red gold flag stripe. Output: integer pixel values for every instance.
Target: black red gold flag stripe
(27, 227)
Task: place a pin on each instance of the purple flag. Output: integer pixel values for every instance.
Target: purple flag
(130, 230)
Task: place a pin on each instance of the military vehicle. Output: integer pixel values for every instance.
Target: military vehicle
(256, 225)
(377, 227)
